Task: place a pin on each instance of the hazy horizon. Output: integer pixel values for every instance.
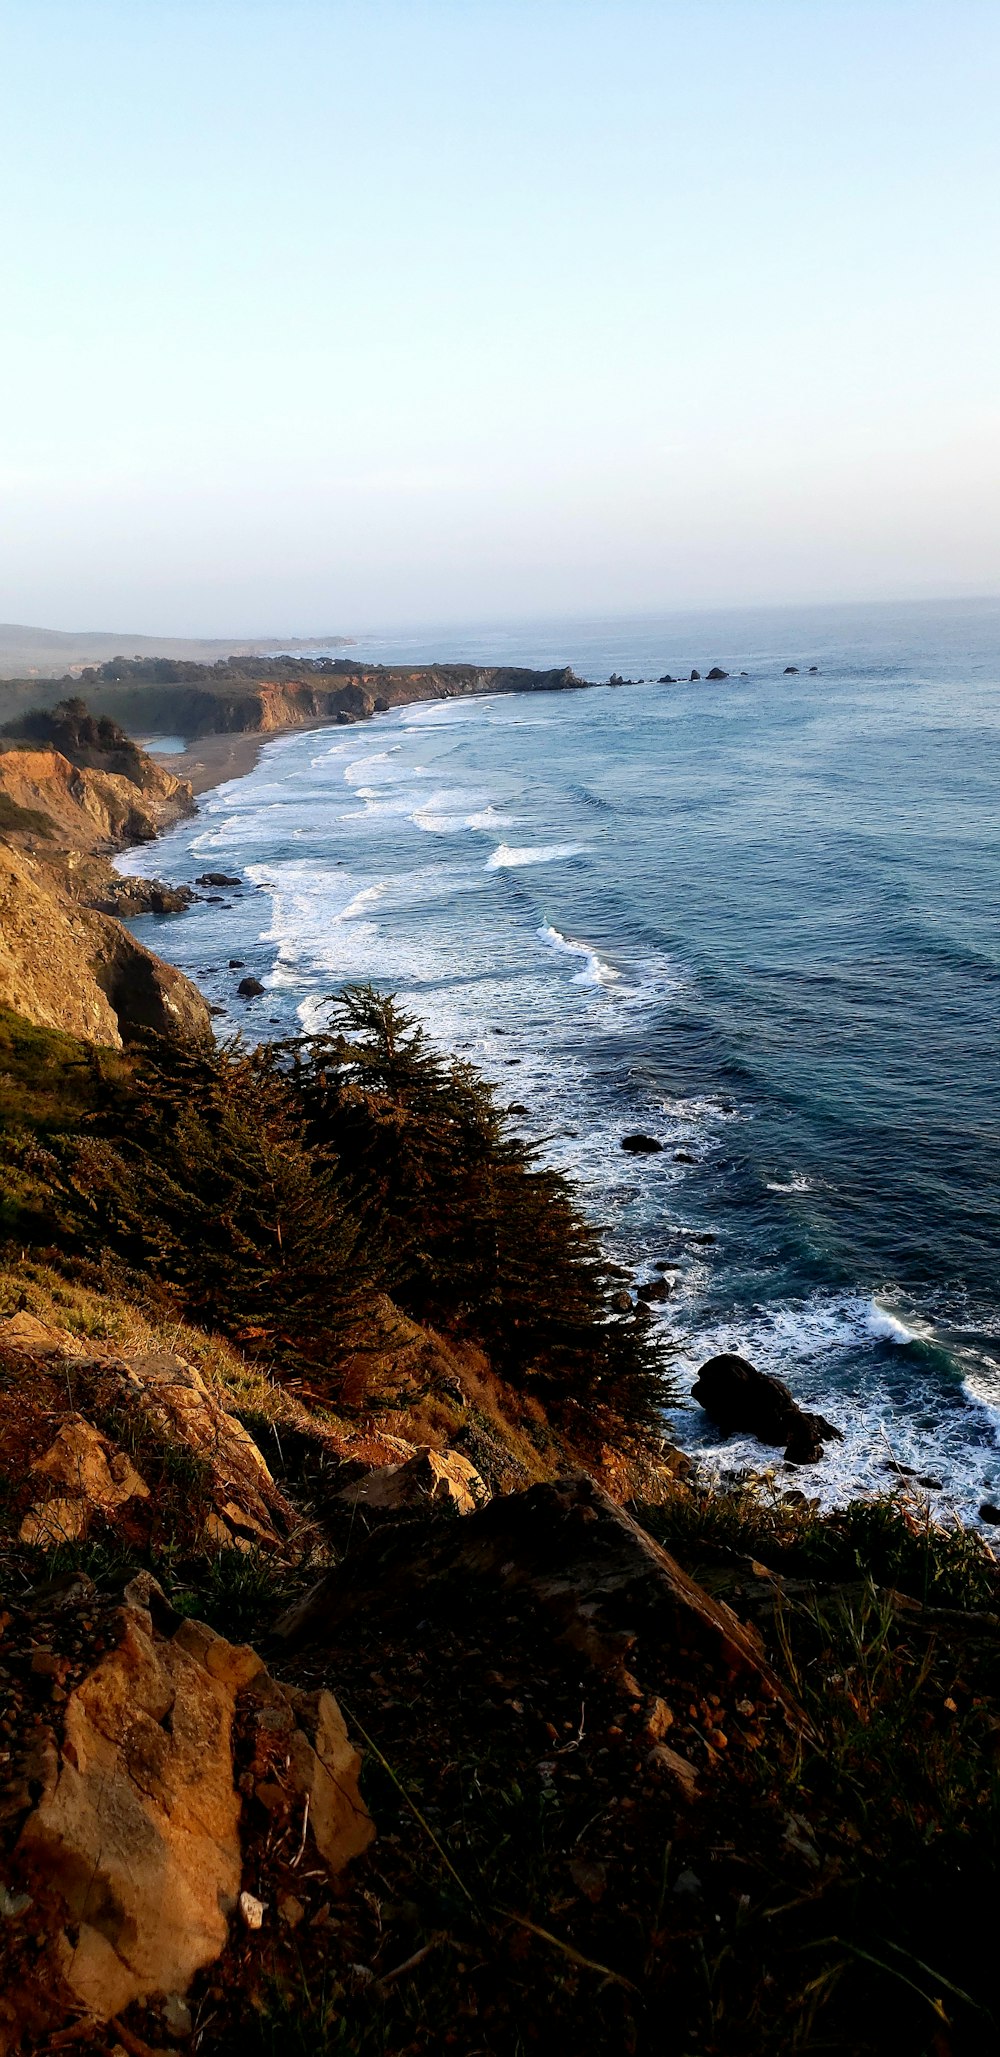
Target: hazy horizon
(342, 318)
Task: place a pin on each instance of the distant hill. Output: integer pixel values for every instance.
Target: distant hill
(53, 653)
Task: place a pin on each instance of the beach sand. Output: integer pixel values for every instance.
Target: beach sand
(211, 760)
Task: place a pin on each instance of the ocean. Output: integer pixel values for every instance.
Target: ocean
(755, 919)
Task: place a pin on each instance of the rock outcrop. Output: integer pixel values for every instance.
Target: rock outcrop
(610, 1590)
(444, 1478)
(133, 1847)
(135, 1441)
(65, 961)
(740, 1398)
(88, 808)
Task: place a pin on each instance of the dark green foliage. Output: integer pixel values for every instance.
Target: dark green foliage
(197, 1173)
(471, 1231)
(93, 741)
(269, 1194)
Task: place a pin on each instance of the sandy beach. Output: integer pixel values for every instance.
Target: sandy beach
(211, 760)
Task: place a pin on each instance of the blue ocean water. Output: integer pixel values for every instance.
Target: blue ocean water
(756, 919)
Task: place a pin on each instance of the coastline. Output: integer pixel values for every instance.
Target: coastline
(212, 760)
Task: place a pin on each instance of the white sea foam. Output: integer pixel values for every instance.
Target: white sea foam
(503, 858)
(594, 971)
(361, 902)
(488, 818)
(790, 1185)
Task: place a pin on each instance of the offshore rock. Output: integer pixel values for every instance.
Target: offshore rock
(640, 1145)
(740, 1398)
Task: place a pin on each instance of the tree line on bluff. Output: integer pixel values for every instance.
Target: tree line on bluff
(270, 1193)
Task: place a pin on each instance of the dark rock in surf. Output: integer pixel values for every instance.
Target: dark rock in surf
(988, 1512)
(249, 987)
(621, 1302)
(217, 878)
(641, 1146)
(813, 668)
(694, 675)
(790, 669)
(717, 672)
(236, 963)
(684, 1157)
(740, 1398)
(654, 1289)
(667, 680)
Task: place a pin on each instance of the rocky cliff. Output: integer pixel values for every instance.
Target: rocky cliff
(65, 962)
(259, 697)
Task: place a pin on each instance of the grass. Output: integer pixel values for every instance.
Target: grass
(888, 1537)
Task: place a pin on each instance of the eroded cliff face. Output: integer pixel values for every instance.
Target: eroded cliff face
(88, 809)
(63, 963)
(64, 966)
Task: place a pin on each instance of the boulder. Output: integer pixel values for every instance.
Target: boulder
(640, 1145)
(442, 1476)
(94, 1478)
(217, 878)
(694, 675)
(717, 672)
(741, 1399)
(249, 987)
(653, 1289)
(132, 1851)
(790, 670)
(666, 680)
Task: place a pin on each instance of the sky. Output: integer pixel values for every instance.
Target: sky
(326, 316)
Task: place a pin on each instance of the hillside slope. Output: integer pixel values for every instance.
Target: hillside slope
(65, 961)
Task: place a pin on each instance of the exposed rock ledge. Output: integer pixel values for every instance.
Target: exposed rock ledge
(65, 962)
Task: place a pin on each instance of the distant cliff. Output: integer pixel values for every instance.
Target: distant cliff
(259, 696)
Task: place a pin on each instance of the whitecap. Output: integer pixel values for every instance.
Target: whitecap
(503, 858)
(594, 972)
(488, 818)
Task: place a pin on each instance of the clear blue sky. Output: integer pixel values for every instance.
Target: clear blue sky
(335, 314)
